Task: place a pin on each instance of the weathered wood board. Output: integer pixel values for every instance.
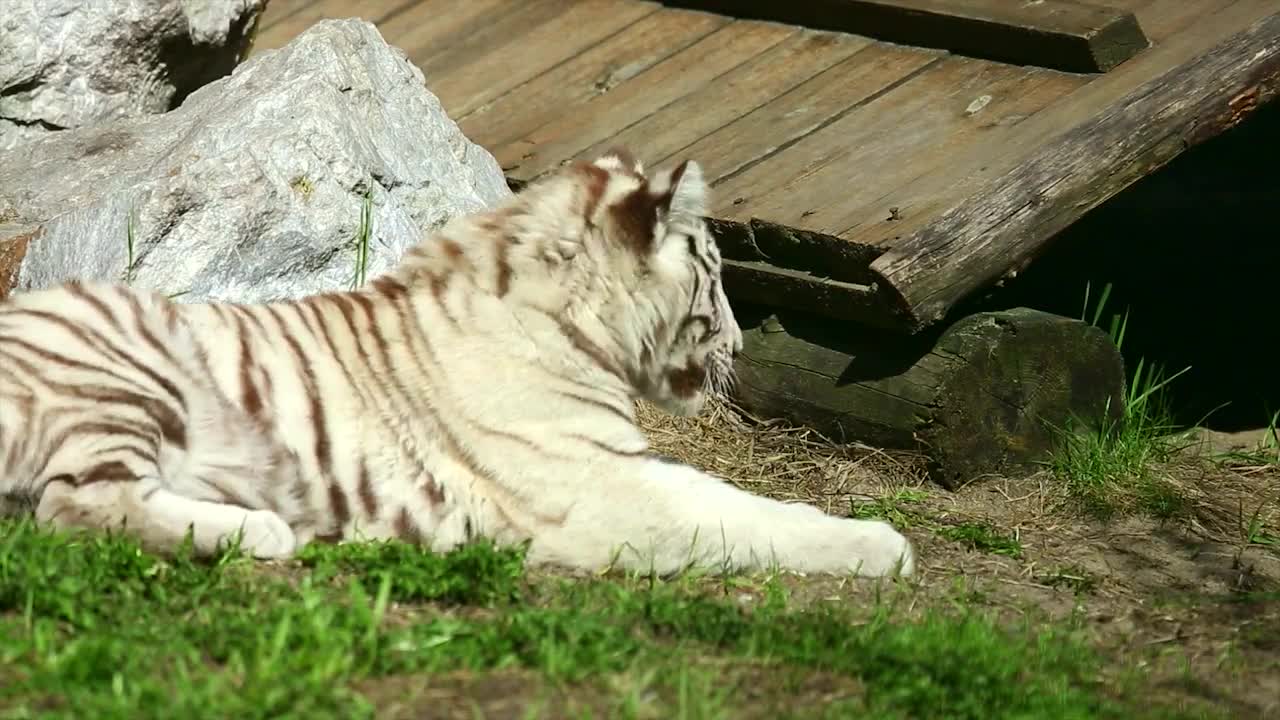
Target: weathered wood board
(1056, 34)
(854, 178)
(967, 234)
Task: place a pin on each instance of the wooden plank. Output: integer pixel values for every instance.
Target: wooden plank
(996, 221)
(634, 99)
(594, 72)
(504, 22)
(429, 27)
(1057, 34)
(292, 24)
(923, 201)
(278, 10)
(810, 105)
(911, 131)
(769, 285)
(740, 91)
(465, 85)
(1162, 19)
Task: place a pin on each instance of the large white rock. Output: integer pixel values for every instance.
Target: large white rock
(255, 187)
(73, 63)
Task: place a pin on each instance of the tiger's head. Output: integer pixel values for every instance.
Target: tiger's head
(645, 278)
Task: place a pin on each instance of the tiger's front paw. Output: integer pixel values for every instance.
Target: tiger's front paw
(267, 536)
(873, 548)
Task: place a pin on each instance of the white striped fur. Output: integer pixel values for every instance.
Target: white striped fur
(483, 388)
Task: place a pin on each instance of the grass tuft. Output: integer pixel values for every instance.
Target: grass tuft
(363, 234)
(1267, 452)
(983, 537)
(898, 508)
(1112, 467)
(477, 574)
(130, 236)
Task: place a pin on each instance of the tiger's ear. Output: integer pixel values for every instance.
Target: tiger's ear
(686, 193)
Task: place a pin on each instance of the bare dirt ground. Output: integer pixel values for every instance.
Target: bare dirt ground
(1192, 603)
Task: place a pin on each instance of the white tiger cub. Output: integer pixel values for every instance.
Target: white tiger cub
(484, 387)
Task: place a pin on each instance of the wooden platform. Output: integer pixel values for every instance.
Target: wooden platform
(853, 177)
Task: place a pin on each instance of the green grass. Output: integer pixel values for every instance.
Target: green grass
(1112, 467)
(1267, 452)
(363, 234)
(1074, 578)
(900, 509)
(91, 626)
(983, 537)
(130, 232)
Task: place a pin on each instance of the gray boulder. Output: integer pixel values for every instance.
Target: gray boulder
(73, 63)
(309, 168)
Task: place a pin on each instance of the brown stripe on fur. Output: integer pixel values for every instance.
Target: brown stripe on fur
(664, 200)
(584, 345)
(391, 377)
(228, 494)
(502, 246)
(368, 499)
(519, 440)
(118, 427)
(323, 448)
(602, 405)
(635, 217)
(346, 309)
(78, 289)
(263, 335)
(101, 344)
(139, 455)
(373, 330)
(388, 287)
(406, 529)
(170, 424)
(609, 448)
(676, 174)
(140, 325)
(439, 285)
(170, 317)
(250, 398)
(432, 489)
(687, 381)
(410, 331)
(597, 181)
(313, 304)
(109, 471)
(48, 356)
(338, 502)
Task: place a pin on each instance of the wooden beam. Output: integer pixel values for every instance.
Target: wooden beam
(778, 266)
(765, 284)
(1055, 34)
(999, 227)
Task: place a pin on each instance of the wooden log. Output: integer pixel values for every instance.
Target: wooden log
(1056, 34)
(986, 395)
(965, 233)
